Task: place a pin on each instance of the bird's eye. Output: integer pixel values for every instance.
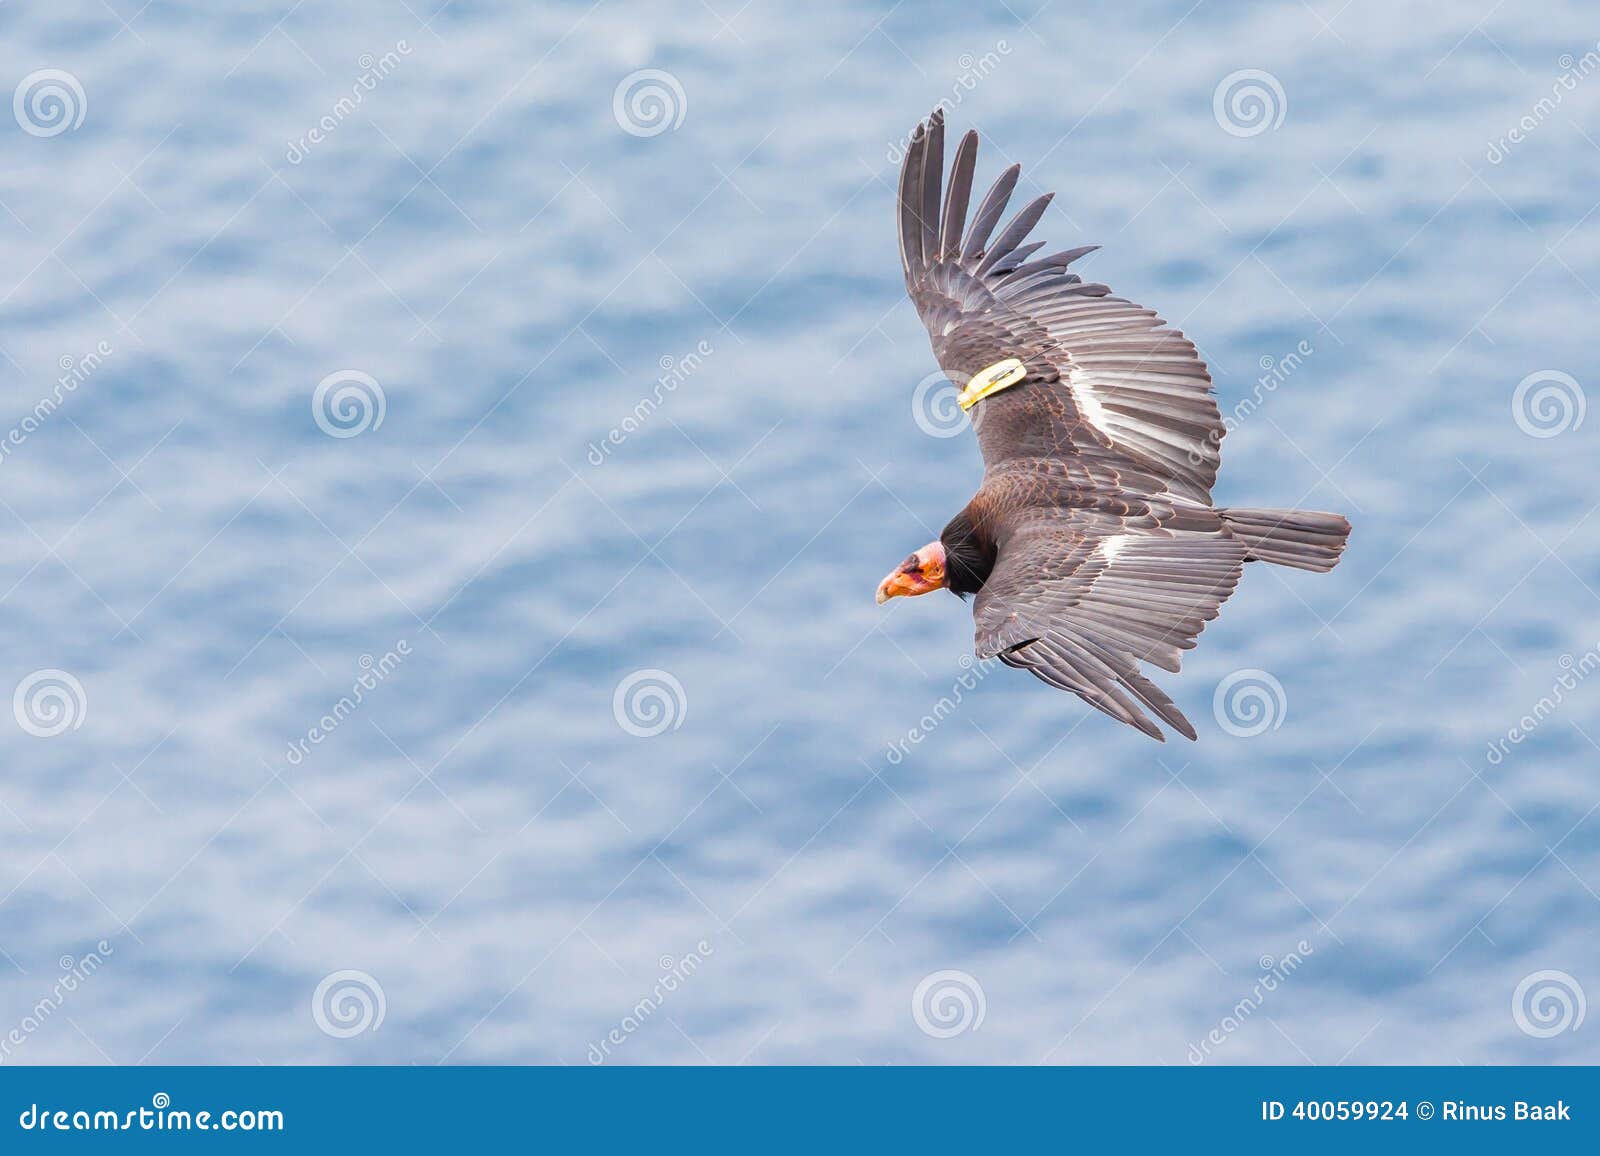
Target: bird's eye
(911, 563)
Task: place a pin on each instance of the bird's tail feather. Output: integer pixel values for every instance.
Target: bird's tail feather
(1304, 539)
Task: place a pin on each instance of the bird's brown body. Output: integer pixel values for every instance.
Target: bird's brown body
(1092, 544)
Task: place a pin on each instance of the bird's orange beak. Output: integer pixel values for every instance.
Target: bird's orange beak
(922, 572)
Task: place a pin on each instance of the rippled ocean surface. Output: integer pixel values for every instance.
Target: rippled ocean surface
(330, 741)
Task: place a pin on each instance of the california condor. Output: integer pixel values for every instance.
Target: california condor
(1092, 544)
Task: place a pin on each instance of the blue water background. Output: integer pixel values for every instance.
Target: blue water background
(481, 838)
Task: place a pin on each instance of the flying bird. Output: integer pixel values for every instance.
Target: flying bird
(1092, 545)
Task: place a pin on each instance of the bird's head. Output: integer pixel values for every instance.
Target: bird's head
(923, 571)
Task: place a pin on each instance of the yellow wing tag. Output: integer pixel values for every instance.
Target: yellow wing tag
(1000, 375)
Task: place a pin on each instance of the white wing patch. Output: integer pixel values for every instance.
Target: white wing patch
(1089, 407)
(1113, 546)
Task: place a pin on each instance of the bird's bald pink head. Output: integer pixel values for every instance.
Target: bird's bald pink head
(924, 571)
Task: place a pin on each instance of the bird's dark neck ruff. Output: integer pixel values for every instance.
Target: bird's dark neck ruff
(969, 555)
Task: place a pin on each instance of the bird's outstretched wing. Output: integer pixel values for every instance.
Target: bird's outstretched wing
(1079, 601)
(1106, 377)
